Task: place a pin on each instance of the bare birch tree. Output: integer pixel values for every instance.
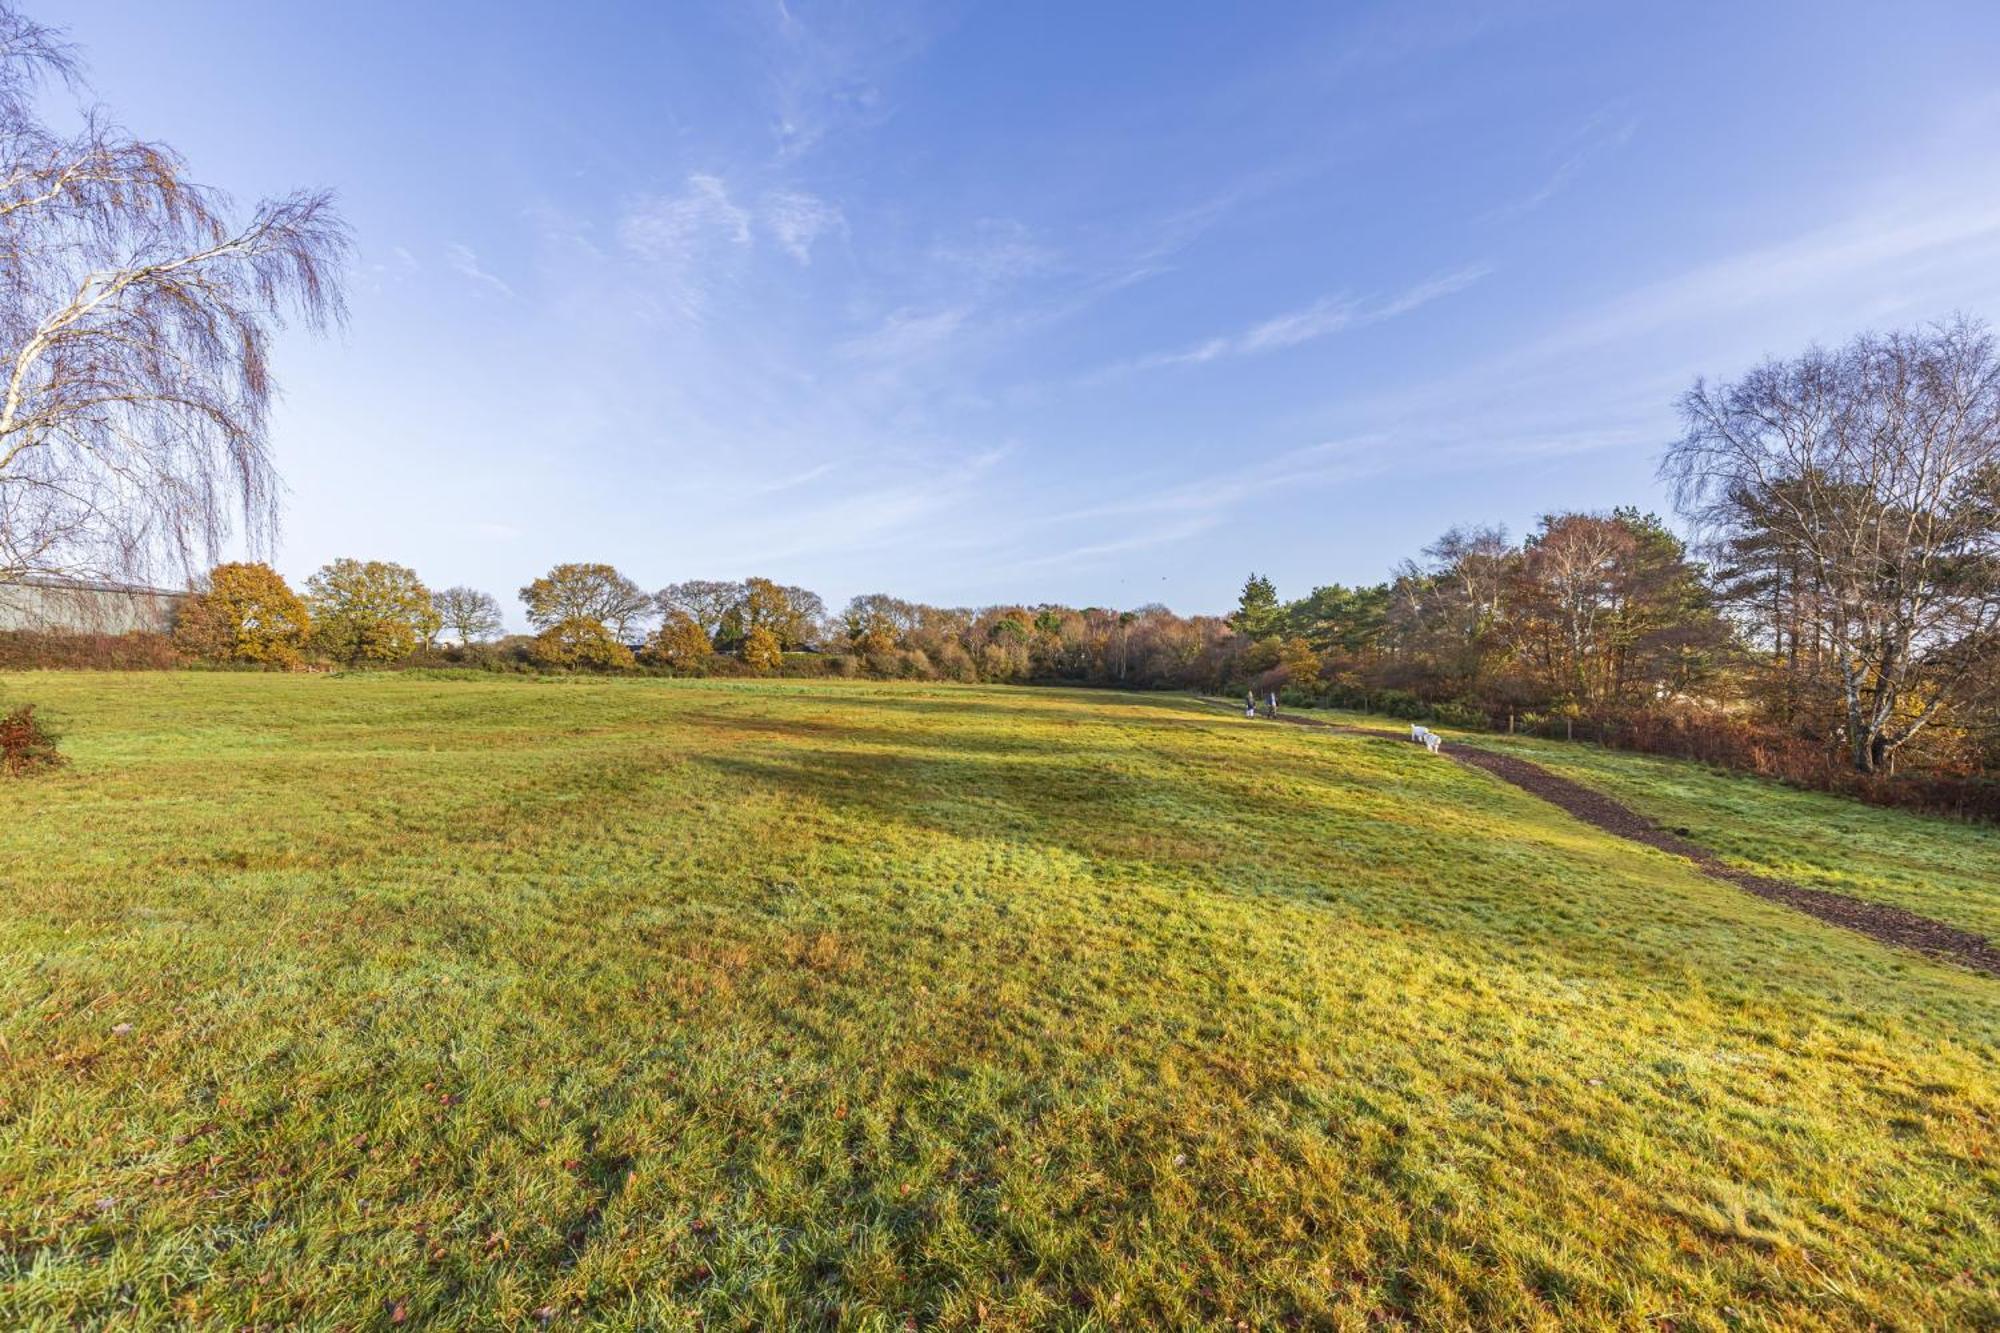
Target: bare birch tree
(136, 321)
(707, 602)
(1875, 471)
(469, 615)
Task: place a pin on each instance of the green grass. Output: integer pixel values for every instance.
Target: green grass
(732, 1004)
(1939, 867)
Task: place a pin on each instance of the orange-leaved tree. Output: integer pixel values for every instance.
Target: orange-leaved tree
(679, 642)
(587, 592)
(762, 651)
(580, 644)
(244, 612)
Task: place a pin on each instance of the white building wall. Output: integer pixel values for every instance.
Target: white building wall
(86, 608)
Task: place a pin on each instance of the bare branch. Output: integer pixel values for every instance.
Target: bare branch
(135, 331)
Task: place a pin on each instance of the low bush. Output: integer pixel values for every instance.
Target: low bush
(1730, 741)
(27, 745)
(38, 650)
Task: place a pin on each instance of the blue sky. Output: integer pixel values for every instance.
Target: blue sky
(1090, 303)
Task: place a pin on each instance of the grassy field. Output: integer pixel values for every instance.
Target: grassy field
(1827, 842)
(500, 1003)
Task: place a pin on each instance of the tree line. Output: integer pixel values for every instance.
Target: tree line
(1841, 596)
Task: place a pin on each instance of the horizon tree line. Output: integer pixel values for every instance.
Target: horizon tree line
(1844, 586)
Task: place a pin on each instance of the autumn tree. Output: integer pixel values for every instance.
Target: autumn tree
(369, 611)
(1868, 476)
(762, 651)
(243, 613)
(1300, 663)
(580, 643)
(587, 592)
(136, 321)
(1474, 562)
(467, 614)
(790, 615)
(1439, 615)
(679, 642)
(1568, 587)
(876, 623)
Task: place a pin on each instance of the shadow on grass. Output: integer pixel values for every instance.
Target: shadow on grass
(1388, 849)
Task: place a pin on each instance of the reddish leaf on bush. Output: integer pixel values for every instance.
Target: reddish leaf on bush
(27, 746)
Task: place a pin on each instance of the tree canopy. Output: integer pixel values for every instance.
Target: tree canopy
(244, 613)
(592, 592)
(1864, 486)
(136, 317)
(370, 611)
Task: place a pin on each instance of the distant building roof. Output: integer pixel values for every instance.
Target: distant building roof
(86, 585)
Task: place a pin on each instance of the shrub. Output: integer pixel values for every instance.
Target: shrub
(1402, 704)
(27, 746)
(1465, 716)
(40, 650)
(1731, 741)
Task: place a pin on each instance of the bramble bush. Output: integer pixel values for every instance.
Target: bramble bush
(43, 650)
(27, 745)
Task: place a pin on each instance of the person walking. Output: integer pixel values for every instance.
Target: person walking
(1274, 703)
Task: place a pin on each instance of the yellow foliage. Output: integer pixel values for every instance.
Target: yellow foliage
(679, 642)
(1300, 662)
(246, 613)
(580, 643)
(761, 651)
(370, 611)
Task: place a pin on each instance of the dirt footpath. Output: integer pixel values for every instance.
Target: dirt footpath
(1880, 921)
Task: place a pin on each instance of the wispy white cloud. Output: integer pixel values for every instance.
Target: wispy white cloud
(1894, 247)
(672, 228)
(997, 252)
(1086, 553)
(1602, 134)
(794, 480)
(465, 262)
(797, 219)
(892, 510)
(829, 74)
(1326, 316)
(907, 335)
(1178, 511)
(1604, 378)
(682, 236)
